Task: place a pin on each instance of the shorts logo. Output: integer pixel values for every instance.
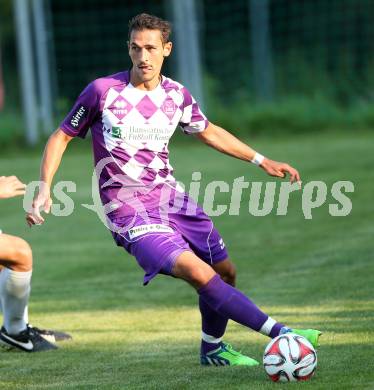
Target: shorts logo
(221, 243)
(80, 113)
(152, 228)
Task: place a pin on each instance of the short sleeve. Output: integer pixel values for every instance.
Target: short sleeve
(81, 117)
(192, 120)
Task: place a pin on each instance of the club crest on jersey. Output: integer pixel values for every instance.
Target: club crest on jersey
(169, 107)
(79, 114)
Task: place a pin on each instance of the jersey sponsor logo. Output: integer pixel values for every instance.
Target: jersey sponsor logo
(152, 228)
(120, 107)
(80, 113)
(116, 132)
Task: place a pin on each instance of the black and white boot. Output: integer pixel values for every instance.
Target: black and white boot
(28, 340)
(51, 335)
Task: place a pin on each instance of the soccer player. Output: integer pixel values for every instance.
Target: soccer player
(132, 115)
(15, 279)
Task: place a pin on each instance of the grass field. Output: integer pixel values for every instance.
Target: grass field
(307, 273)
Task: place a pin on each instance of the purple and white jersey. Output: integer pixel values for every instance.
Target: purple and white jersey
(131, 129)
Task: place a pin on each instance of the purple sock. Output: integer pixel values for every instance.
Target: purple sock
(232, 303)
(213, 326)
(276, 330)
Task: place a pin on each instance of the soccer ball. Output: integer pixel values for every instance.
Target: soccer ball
(290, 357)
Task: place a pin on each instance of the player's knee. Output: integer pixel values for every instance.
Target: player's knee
(193, 270)
(22, 261)
(199, 277)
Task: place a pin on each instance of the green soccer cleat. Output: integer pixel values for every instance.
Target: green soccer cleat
(312, 335)
(225, 355)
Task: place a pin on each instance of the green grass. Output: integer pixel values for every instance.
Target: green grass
(312, 273)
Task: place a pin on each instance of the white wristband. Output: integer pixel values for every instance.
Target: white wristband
(258, 159)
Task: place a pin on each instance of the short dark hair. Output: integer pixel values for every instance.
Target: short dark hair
(150, 22)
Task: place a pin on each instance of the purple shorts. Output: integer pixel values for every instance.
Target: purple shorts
(156, 238)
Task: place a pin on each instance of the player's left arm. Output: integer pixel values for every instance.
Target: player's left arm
(225, 142)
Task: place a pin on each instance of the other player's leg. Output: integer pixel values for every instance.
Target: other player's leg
(50, 335)
(15, 281)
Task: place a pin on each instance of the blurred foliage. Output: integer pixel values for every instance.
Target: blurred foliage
(321, 50)
(292, 114)
(313, 100)
(91, 40)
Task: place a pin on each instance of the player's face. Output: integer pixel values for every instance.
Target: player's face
(147, 53)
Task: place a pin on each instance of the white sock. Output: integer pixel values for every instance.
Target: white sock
(267, 326)
(210, 339)
(25, 314)
(14, 295)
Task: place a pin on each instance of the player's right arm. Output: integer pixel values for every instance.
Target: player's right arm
(52, 156)
(76, 124)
